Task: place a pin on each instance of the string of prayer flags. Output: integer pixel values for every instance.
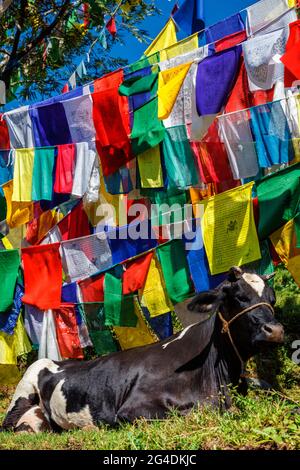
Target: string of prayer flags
(9, 266)
(282, 187)
(42, 276)
(175, 270)
(140, 335)
(165, 38)
(284, 241)
(228, 228)
(67, 332)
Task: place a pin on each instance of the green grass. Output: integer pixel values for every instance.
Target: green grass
(262, 420)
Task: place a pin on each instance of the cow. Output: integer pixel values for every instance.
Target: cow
(193, 367)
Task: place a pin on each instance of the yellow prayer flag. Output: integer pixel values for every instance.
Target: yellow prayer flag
(284, 241)
(132, 337)
(229, 231)
(12, 346)
(154, 294)
(169, 84)
(23, 170)
(167, 37)
(18, 213)
(150, 168)
(9, 374)
(292, 3)
(182, 47)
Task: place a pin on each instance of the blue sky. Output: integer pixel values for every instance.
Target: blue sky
(213, 12)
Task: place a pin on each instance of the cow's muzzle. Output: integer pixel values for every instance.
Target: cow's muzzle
(273, 333)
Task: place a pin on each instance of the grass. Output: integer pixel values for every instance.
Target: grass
(263, 420)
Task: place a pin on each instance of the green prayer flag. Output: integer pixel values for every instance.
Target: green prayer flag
(265, 264)
(9, 267)
(279, 199)
(101, 336)
(175, 269)
(42, 179)
(119, 309)
(179, 161)
(137, 84)
(148, 131)
(3, 208)
(297, 229)
(163, 201)
(144, 62)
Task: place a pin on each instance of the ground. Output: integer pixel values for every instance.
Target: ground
(265, 419)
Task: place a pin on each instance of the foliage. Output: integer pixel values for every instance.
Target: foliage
(33, 29)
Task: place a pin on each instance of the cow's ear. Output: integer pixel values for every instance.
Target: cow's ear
(206, 302)
(235, 273)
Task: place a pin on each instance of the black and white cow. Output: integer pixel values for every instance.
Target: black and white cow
(193, 367)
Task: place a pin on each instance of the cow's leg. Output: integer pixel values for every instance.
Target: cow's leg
(27, 394)
(33, 420)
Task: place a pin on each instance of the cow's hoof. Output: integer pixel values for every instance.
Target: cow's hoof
(89, 427)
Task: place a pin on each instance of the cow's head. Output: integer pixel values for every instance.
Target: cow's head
(241, 290)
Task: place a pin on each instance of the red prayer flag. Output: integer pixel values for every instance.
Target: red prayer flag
(112, 123)
(75, 224)
(230, 41)
(4, 135)
(65, 165)
(42, 276)
(67, 332)
(66, 88)
(291, 58)
(92, 289)
(135, 274)
(86, 15)
(111, 26)
(211, 156)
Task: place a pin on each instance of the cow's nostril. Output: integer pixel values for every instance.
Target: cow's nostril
(268, 329)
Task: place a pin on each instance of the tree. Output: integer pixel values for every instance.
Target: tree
(41, 40)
